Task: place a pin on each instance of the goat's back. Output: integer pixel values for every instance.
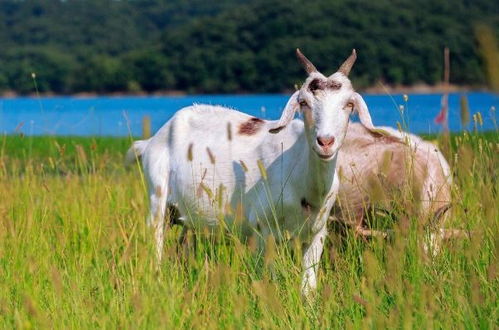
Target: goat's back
(210, 157)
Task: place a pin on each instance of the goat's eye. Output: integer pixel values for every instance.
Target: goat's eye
(303, 103)
(349, 106)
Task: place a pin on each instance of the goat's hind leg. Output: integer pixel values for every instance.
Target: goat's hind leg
(437, 234)
(156, 219)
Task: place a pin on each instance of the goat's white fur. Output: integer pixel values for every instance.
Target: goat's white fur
(201, 153)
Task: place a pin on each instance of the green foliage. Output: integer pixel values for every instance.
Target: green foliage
(149, 69)
(234, 45)
(52, 66)
(100, 73)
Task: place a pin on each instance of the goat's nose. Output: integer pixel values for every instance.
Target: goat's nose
(325, 142)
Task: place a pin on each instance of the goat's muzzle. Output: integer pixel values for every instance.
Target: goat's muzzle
(325, 142)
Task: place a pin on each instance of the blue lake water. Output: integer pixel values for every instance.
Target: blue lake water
(120, 116)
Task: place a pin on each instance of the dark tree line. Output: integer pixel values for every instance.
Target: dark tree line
(233, 45)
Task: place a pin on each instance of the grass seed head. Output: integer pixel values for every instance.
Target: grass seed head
(210, 155)
(189, 152)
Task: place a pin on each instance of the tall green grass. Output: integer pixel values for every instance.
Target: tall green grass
(75, 252)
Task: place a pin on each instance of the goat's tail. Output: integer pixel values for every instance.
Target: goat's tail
(136, 151)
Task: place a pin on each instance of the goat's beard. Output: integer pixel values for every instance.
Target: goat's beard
(325, 156)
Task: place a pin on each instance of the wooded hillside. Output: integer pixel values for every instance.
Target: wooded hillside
(233, 45)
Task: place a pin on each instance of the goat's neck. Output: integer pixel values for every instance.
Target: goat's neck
(319, 176)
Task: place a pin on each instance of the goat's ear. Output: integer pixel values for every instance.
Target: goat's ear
(365, 118)
(287, 114)
(361, 108)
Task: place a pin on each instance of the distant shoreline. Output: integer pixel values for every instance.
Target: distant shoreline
(379, 89)
(422, 89)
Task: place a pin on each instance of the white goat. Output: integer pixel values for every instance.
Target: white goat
(374, 169)
(217, 165)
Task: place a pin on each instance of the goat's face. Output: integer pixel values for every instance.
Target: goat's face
(326, 104)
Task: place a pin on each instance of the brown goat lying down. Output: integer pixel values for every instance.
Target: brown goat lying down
(397, 173)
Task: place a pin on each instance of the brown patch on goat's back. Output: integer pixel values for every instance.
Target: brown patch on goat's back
(251, 126)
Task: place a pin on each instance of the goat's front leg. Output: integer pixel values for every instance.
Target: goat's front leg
(311, 258)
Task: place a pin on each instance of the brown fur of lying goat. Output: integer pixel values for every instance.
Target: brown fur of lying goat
(395, 172)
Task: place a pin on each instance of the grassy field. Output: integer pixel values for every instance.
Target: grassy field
(75, 253)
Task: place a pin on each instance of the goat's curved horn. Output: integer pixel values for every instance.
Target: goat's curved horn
(287, 114)
(347, 65)
(309, 67)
